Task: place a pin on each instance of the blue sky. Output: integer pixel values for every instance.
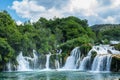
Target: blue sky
(95, 11)
(6, 5)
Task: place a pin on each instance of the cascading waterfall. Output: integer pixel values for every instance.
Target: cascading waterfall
(47, 60)
(57, 64)
(35, 59)
(73, 59)
(101, 61)
(70, 63)
(9, 68)
(23, 64)
(108, 65)
(85, 63)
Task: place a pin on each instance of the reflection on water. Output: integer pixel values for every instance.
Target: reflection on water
(58, 75)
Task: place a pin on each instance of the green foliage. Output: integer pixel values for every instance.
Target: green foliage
(68, 28)
(112, 34)
(68, 32)
(6, 52)
(70, 44)
(5, 19)
(117, 46)
(48, 35)
(105, 41)
(44, 36)
(107, 31)
(9, 31)
(85, 48)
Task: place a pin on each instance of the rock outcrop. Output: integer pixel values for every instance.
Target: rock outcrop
(115, 64)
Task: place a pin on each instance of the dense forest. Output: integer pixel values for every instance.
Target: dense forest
(108, 31)
(46, 36)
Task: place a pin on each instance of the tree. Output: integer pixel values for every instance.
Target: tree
(6, 53)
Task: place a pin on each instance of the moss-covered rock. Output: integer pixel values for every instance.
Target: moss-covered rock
(85, 48)
(115, 64)
(93, 55)
(117, 46)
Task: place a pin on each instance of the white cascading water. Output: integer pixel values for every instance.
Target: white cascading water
(35, 59)
(9, 68)
(57, 64)
(102, 61)
(73, 59)
(47, 61)
(23, 64)
(70, 63)
(84, 63)
(108, 65)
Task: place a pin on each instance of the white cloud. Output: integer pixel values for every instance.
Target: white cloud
(82, 4)
(115, 3)
(19, 22)
(27, 9)
(31, 10)
(88, 9)
(109, 19)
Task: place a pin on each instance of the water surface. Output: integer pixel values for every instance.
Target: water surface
(59, 75)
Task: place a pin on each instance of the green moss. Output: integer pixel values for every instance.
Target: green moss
(85, 48)
(117, 46)
(94, 53)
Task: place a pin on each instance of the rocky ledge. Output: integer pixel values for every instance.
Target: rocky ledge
(115, 64)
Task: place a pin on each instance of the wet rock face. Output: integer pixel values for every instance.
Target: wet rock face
(115, 64)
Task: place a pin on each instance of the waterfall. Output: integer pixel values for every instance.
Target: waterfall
(47, 61)
(85, 63)
(109, 59)
(57, 64)
(35, 59)
(23, 63)
(73, 59)
(70, 63)
(101, 63)
(9, 66)
(102, 60)
(98, 59)
(59, 51)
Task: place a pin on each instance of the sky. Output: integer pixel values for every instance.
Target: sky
(95, 11)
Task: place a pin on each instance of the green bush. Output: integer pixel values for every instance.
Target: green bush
(117, 46)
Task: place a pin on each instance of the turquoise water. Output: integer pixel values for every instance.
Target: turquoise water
(59, 75)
